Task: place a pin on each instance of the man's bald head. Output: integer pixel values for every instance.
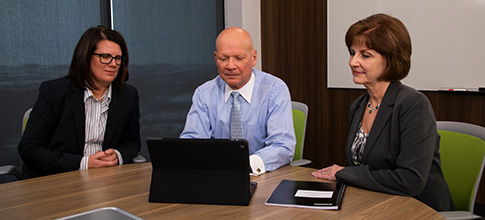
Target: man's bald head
(235, 56)
(235, 35)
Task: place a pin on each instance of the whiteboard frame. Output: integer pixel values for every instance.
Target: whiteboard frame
(448, 38)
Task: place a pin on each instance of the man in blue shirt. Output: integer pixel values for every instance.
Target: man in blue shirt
(265, 103)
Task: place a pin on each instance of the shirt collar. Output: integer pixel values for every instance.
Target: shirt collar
(88, 93)
(246, 91)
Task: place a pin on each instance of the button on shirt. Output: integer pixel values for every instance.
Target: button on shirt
(96, 112)
(265, 112)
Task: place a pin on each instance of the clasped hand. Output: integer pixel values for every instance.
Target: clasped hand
(105, 158)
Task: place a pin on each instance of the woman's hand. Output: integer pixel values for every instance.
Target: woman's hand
(105, 158)
(328, 173)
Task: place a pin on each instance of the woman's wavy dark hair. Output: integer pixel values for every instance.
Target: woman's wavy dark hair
(80, 70)
(389, 37)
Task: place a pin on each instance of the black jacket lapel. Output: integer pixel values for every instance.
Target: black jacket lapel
(77, 104)
(114, 114)
(382, 118)
(355, 119)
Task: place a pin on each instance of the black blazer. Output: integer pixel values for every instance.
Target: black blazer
(401, 155)
(53, 140)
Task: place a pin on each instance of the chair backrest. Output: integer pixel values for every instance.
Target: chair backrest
(11, 169)
(25, 119)
(24, 124)
(462, 162)
(462, 127)
(300, 112)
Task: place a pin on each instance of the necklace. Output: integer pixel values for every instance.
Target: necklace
(369, 107)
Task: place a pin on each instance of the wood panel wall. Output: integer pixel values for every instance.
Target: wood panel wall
(294, 49)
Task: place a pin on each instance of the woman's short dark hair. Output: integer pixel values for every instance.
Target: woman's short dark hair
(80, 70)
(389, 37)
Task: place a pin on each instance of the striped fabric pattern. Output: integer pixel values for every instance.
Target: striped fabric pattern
(96, 111)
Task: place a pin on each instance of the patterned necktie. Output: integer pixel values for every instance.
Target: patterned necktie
(236, 125)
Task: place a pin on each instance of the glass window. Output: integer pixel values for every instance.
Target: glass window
(37, 39)
(171, 46)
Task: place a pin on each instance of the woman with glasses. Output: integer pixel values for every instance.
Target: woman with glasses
(87, 119)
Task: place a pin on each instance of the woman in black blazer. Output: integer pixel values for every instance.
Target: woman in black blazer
(87, 119)
(393, 143)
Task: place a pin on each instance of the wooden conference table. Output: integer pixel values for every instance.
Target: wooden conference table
(127, 187)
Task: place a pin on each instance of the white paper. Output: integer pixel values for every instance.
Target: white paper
(314, 194)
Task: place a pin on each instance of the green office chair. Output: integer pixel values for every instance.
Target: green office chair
(462, 149)
(25, 119)
(11, 170)
(300, 112)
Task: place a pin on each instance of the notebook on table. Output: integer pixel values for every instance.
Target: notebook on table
(200, 171)
(308, 194)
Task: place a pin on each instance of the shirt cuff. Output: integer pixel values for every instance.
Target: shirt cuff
(84, 163)
(257, 165)
(120, 159)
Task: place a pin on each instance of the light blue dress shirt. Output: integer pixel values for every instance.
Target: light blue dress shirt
(267, 120)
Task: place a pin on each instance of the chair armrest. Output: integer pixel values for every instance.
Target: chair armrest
(10, 170)
(459, 215)
(139, 159)
(300, 163)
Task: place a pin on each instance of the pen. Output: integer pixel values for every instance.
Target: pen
(461, 90)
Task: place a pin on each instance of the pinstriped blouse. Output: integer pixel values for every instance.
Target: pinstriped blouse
(96, 111)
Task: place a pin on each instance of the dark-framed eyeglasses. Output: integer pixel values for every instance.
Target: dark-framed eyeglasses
(107, 58)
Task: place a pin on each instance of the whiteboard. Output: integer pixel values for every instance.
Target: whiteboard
(448, 40)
